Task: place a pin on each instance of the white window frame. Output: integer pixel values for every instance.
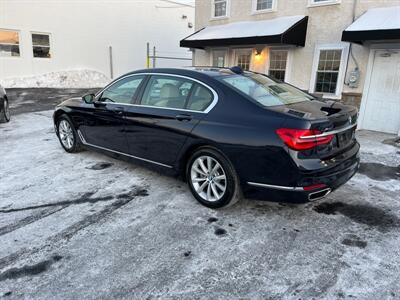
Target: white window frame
(235, 52)
(226, 50)
(288, 61)
(254, 10)
(313, 3)
(50, 44)
(19, 44)
(228, 8)
(342, 68)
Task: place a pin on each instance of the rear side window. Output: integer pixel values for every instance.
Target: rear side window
(200, 98)
(167, 92)
(122, 91)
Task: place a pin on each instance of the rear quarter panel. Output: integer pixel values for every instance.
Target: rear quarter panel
(245, 134)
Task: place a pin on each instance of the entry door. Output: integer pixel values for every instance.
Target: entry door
(243, 58)
(382, 106)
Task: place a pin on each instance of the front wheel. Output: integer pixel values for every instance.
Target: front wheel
(5, 114)
(212, 179)
(67, 135)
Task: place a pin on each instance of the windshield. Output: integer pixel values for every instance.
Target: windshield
(266, 91)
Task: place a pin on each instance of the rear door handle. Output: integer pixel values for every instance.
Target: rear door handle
(183, 117)
(118, 110)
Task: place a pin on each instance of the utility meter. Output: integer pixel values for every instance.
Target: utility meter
(354, 77)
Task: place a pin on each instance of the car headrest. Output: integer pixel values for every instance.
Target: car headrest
(169, 90)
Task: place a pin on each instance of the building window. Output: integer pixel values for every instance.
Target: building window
(264, 4)
(328, 71)
(244, 61)
(277, 64)
(220, 8)
(41, 45)
(9, 43)
(218, 58)
(322, 2)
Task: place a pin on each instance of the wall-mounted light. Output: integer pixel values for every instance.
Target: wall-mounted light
(257, 53)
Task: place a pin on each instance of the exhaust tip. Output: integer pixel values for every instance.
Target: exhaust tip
(318, 195)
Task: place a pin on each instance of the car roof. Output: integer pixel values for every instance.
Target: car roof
(189, 71)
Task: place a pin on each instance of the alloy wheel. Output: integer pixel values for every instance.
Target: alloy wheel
(66, 134)
(208, 178)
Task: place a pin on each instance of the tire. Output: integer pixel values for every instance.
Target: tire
(67, 135)
(5, 115)
(213, 186)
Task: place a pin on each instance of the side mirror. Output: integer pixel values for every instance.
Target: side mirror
(89, 98)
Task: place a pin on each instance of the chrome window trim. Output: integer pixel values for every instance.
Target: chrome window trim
(328, 132)
(209, 108)
(277, 187)
(121, 153)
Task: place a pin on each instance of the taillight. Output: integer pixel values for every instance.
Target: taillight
(302, 139)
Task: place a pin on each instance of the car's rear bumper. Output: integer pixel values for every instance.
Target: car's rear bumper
(331, 179)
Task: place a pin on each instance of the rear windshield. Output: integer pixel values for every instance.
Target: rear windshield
(266, 91)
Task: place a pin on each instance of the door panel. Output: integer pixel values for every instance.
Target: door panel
(105, 127)
(382, 109)
(158, 134)
(167, 111)
(105, 124)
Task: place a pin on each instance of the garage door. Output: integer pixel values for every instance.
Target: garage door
(382, 103)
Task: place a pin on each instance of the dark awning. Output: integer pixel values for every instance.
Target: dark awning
(376, 24)
(283, 31)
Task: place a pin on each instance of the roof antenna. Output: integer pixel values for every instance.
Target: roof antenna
(236, 70)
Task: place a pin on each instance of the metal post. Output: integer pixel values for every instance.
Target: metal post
(148, 56)
(154, 56)
(111, 62)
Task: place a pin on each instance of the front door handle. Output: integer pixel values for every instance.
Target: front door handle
(183, 117)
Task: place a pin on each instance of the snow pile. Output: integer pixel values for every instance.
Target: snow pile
(62, 79)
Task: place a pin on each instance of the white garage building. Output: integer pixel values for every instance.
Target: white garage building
(41, 36)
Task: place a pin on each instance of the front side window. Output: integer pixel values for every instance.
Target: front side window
(167, 92)
(122, 91)
(9, 43)
(264, 90)
(41, 45)
(220, 8)
(218, 57)
(277, 64)
(328, 71)
(264, 4)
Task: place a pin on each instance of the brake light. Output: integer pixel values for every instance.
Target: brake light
(302, 139)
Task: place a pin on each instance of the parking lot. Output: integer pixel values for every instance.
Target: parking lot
(86, 225)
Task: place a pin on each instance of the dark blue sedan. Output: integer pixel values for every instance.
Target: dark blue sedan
(225, 131)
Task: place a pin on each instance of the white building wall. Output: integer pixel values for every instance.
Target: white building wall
(82, 31)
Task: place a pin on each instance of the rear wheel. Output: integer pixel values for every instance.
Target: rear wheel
(5, 114)
(212, 179)
(67, 135)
